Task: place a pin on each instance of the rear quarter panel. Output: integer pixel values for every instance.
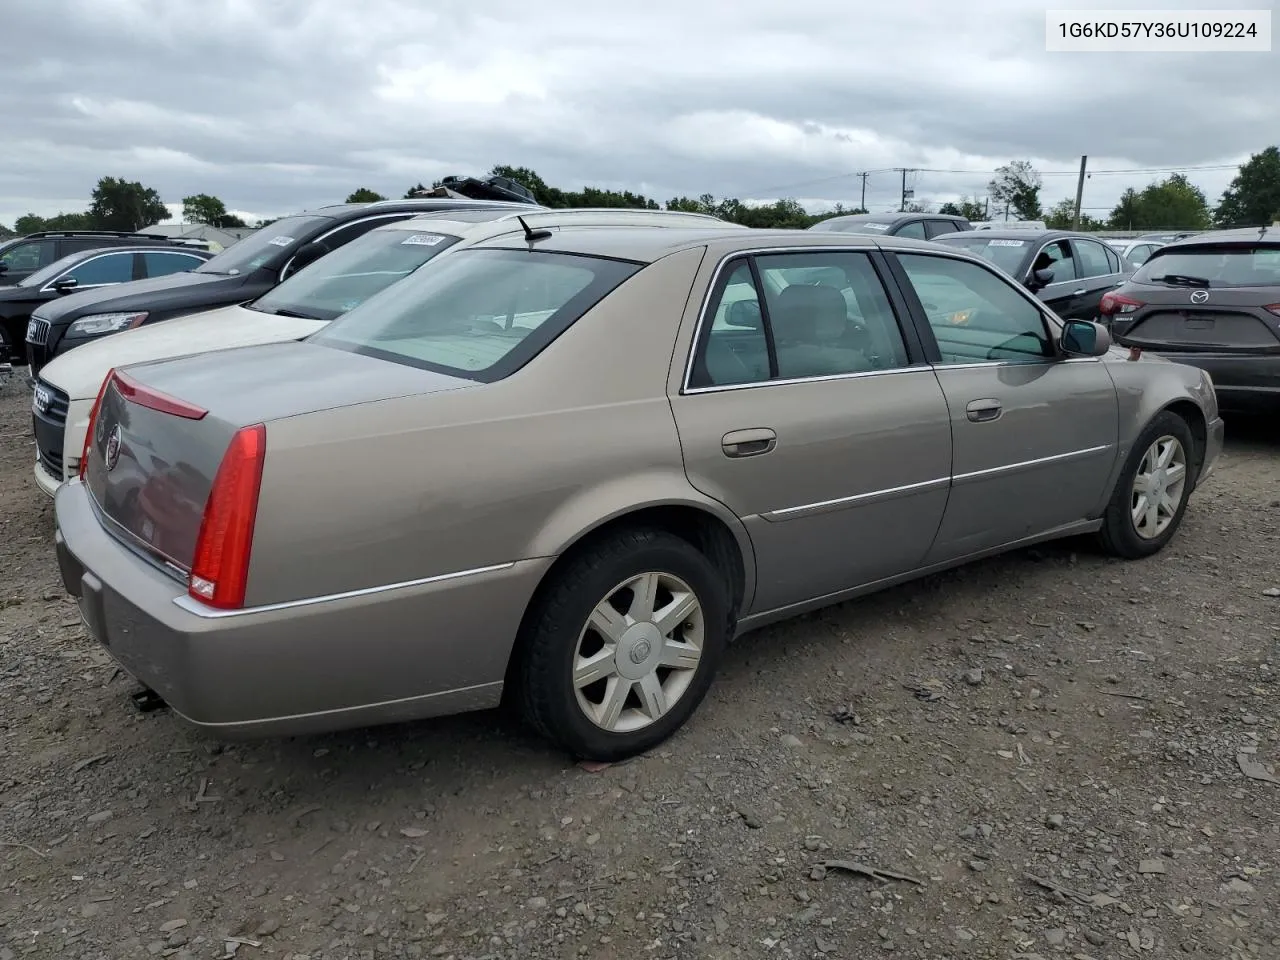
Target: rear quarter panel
(415, 487)
(1149, 385)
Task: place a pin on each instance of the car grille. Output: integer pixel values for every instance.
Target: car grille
(38, 331)
(50, 407)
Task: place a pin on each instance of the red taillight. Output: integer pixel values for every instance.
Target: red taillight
(93, 422)
(1274, 308)
(220, 570)
(1113, 303)
(144, 396)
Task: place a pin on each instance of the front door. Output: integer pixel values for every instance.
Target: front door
(803, 411)
(1034, 435)
(1099, 272)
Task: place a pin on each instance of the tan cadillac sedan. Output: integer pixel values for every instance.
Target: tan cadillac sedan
(570, 465)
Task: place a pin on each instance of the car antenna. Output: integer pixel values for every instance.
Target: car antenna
(531, 234)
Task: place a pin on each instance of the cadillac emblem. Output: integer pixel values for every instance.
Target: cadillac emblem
(111, 456)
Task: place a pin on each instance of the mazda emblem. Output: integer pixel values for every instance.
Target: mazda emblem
(1200, 296)
(111, 456)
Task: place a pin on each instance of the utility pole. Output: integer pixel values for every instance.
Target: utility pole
(1075, 225)
(862, 204)
(904, 171)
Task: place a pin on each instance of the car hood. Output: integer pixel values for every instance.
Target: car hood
(79, 372)
(184, 290)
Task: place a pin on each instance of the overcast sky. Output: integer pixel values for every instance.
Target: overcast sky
(279, 105)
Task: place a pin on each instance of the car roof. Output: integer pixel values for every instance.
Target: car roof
(893, 217)
(1016, 234)
(341, 211)
(1241, 235)
(644, 244)
(506, 221)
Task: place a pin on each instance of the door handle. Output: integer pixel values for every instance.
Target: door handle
(748, 443)
(980, 411)
(1078, 293)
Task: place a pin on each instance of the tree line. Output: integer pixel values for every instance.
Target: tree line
(1252, 199)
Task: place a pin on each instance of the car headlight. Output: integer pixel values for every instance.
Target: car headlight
(104, 323)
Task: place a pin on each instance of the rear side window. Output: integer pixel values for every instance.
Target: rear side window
(1093, 258)
(479, 314)
(914, 230)
(1208, 266)
(163, 264)
(795, 317)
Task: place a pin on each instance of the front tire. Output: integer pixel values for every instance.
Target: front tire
(1151, 495)
(623, 645)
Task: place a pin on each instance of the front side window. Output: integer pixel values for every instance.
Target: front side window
(31, 255)
(1093, 259)
(100, 270)
(975, 315)
(342, 280)
(817, 315)
(913, 230)
(478, 314)
(1057, 257)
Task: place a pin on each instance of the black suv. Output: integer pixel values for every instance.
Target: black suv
(920, 226)
(22, 256)
(244, 271)
(87, 270)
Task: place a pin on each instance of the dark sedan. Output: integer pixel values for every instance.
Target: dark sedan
(1213, 301)
(86, 270)
(1068, 271)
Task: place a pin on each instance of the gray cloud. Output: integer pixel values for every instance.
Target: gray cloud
(276, 106)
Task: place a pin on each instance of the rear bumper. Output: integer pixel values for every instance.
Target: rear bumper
(423, 650)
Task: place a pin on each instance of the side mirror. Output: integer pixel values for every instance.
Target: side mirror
(1083, 338)
(66, 285)
(1040, 279)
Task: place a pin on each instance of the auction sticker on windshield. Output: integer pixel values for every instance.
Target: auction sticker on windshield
(1005, 243)
(423, 239)
(281, 241)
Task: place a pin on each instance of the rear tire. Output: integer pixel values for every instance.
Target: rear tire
(623, 645)
(1150, 498)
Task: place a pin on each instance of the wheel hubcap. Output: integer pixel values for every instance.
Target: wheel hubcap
(639, 652)
(1158, 486)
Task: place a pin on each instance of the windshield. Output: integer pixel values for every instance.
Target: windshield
(1005, 254)
(269, 247)
(479, 314)
(43, 276)
(344, 279)
(1236, 266)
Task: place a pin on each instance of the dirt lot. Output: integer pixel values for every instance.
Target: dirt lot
(1051, 714)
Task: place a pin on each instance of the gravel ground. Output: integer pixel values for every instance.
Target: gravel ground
(1051, 754)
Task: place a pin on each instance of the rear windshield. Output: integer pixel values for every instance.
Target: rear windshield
(1234, 266)
(479, 314)
(269, 247)
(342, 280)
(1005, 254)
(853, 226)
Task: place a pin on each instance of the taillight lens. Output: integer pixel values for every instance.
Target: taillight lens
(144, 396)
(93, 422)
(1113, 303)
(220, 570)
(1274, 308)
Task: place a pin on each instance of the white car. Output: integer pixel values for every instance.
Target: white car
(304, 303)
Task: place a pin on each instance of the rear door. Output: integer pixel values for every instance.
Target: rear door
(1034, 436)
(810, 412)
(1099, 270)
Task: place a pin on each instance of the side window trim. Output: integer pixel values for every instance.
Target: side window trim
(766, 324)
(917, 352)
(920, 320)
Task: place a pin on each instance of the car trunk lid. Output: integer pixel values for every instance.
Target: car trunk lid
(161, 429)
